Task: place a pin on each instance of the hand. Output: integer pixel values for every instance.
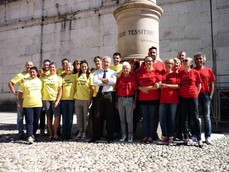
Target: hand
(104, 80)
(134, 106)
(15, 93)
(116, 105)
(56, 104)
(144, 89)
(19, 106)
(89, 102)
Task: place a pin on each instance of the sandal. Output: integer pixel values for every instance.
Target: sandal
(149, 140)
(49, 138)
(55, 137)
(144, 140)
(200, 144)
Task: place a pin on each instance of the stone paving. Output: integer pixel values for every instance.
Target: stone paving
(68, 156)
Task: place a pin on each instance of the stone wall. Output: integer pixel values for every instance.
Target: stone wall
(82, 29)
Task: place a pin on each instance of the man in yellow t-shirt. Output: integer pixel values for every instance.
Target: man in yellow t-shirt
(64, 63)
(44, 71)
(117, 67)
(17, 80)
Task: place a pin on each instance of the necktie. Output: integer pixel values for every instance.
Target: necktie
(104, 76)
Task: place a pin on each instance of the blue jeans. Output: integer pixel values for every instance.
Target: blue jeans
(205, 103)
(149, 114)
(20, 117)
(189, 106)
(32, 116)
(167, 114)
(67, 110)
(125, 108)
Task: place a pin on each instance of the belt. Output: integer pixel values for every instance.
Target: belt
(104, 93)
(125, 96)
(204, 94)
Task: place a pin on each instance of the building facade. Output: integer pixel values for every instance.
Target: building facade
(82, 29)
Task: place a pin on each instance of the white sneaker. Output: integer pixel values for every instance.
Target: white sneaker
(208, 141)
(130, 138)
(30, 140)
(123, 138)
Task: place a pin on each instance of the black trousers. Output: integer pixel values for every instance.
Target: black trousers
(104, 110)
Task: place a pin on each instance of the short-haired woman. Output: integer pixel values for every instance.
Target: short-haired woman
(168, 101)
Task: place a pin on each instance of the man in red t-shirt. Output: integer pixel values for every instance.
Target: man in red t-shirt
(206, 92)
(157, 62)
(181, 56)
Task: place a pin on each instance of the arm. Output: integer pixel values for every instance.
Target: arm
(135, 99)
(11, 87)
(96, 80)
(19, 105)
(91, 94)
(173, 86)
(212, 86)
(112, 79)
(199, 88)
(58, 96)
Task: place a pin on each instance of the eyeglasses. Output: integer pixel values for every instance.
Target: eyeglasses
(185, 61)
(148, 61)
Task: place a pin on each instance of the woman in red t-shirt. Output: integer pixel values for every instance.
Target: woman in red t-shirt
(126, 94)
(190, 85)
(148, 81)
(168, 101)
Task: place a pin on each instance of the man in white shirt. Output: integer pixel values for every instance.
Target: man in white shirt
(104, 79)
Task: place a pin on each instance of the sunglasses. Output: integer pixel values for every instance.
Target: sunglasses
(185, 61)
(148, 61)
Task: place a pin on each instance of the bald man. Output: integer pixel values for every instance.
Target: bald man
(17, 80)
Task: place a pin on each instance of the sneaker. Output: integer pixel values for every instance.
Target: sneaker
(30, 140)
(79, 135)
(164, 139)
(171, 142)
(123, 138)
(130, 138)
(193, 138)
(208, 141)
(84, 136)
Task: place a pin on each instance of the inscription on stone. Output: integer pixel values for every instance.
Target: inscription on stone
(136, 32)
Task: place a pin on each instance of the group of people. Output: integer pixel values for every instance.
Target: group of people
(168, 92)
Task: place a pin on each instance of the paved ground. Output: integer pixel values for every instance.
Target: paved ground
(73, 156)
(10, 118)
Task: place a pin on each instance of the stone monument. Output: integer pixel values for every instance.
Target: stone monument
(138, 27)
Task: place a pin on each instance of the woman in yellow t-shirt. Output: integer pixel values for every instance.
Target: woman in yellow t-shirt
(67, 100)
(51, 94)
(83, 97)
(32, 103)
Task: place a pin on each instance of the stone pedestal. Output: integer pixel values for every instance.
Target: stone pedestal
(138, 27)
